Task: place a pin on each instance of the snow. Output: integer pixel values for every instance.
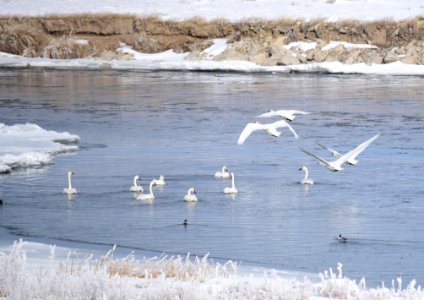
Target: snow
(334, 44)
(171, 61)
(233, 10)
(29, 145)
(26, 274)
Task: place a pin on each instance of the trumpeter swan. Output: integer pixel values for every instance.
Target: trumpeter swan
(150, 195)
(285, 114)
(269, 128)
(336, 165)
(160, 181)
(136, 188)
(232, 189)
(191, 195)
(352, 159)
(70, 190)
(306, 180)
(224, 174)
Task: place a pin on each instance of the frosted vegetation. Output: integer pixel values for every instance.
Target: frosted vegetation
(170, 278)
(29, 145)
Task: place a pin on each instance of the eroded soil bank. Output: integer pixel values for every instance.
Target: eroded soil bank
(98, 36)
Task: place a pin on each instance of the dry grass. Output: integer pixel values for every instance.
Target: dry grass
(47, 35)
(22, 40)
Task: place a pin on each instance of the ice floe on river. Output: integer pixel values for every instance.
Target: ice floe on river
(29, 145)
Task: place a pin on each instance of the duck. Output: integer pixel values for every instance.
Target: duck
(191, 195)
(306, 180)
(136, 188)
(285, 114)
(336, 165)
(150, 195)
(232, 189)
(160, 181)
(223, 174)
(70, 190)
(270, 128)
(342, 238)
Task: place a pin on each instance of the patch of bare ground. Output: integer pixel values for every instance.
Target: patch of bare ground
(99, 35)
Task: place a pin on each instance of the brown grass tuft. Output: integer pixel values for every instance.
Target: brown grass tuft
(22, 40)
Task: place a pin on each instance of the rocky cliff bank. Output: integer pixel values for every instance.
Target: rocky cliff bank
(258, 41)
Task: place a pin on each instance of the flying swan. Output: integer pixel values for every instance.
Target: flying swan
(231, 190)
(136, 188)
(269, 128)
(70, 190)
(336, 165)
(224, 174)
(306, 180)
(148, 196)
(285, 114)
(191, 195)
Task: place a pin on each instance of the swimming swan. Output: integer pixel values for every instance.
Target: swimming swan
(70, 190)
(269, 128)
(191, 195)
(336, 165)
(136, 188)
(285, 114)
(232, 189)
(224, 174)
(148, 196)
(160, 181)
(306, 180)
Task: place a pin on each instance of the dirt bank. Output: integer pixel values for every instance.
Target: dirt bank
(77, 36)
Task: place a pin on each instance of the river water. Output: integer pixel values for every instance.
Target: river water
(185, 126)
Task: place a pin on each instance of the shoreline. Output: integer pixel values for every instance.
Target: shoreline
(111, 41)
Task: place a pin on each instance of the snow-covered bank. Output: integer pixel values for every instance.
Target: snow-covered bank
(170, 61)
(29, 145)
(107, 277)
(232, 10)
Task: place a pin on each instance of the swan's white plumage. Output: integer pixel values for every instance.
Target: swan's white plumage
(191, 195)
(136, 188)
(306, 179)
(285, 114)
(150, 195)
(336, 165)
(270, 128)
(70, 190)
(223, 174)
(232, 189)
(160, 181)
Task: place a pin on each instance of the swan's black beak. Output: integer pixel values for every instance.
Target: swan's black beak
(300, 168)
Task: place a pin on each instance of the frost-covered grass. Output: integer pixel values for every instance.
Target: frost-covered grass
(170, 278)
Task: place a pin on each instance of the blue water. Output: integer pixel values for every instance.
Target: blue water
(185, 126)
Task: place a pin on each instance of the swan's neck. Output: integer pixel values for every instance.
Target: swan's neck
(189, 192)
(151, 188)
(306, 173)
(135, 182)
(69, 181)
(223, 170)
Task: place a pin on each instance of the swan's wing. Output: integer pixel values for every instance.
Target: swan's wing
(268, 114)
(355, 152)
(283, 123)
(247, 131)
(297, 112)
(332, 151)
(323, 161)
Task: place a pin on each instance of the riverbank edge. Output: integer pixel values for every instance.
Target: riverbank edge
(262, 42)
